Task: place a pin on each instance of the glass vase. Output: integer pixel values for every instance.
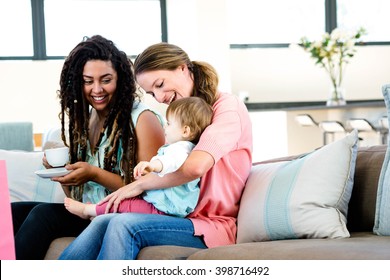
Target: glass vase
(336, 97)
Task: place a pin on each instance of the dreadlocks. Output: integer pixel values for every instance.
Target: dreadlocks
(119, 124)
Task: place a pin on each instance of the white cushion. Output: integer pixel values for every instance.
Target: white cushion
(303, 198)
(24, 184)
(382, 214)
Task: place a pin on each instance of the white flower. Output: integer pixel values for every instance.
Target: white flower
(338, 35)
(325, 36)
(349, 44)
(317, 44)
(333, 51)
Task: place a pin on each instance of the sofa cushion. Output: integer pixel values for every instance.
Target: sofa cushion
(361, 208)
(361, 246)
(147, 253)
(382, 215)
(57, 246)
(24, 184)
(166, 252)
(302, 198)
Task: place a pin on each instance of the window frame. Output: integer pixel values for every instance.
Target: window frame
(39, 36)
(330, 24)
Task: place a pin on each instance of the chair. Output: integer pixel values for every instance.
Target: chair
(363, 125)
(327, 127)
(384, 129)
(305, 120)
(331, 128)
(16, 136)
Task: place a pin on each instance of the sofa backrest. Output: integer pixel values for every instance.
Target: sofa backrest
(361, 209)
(16, 136)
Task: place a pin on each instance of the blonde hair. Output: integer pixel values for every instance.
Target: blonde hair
(193, 112)
(164, 56)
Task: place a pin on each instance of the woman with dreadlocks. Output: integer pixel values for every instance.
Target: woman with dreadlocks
(109, 132)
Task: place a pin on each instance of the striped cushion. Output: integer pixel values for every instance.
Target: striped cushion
(302, 198)
(23, 183)
(382, 214)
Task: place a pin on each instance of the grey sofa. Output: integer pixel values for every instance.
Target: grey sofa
(362, 244)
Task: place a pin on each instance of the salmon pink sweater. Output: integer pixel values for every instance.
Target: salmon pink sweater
(228, 139)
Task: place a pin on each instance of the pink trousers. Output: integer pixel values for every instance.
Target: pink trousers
(131, 205)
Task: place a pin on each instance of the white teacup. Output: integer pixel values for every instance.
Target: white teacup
(57, 156)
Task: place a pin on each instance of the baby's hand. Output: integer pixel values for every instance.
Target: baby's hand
(142, 168)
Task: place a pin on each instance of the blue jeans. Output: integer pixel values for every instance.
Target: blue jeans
(122, 236)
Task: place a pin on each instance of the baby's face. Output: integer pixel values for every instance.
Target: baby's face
(174, 132)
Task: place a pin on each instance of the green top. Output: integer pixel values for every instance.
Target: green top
(94, 192)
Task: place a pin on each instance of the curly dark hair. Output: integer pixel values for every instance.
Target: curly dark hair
(119, 124)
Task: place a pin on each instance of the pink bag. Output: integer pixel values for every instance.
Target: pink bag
(7, 244)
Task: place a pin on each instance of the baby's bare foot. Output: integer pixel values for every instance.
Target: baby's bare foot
(77, 208)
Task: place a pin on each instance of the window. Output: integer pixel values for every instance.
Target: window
(49, 29)
(274, 22)
(352, 14)
(131, 25)
(16, 28)
(277, 23)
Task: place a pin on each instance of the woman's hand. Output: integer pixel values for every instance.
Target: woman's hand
(82, 172)
(114, 199)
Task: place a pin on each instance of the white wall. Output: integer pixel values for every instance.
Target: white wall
(199, 27)
(28, 92)
(28, 88)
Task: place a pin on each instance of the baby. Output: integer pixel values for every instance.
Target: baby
(187, 118)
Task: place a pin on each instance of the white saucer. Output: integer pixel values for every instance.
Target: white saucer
(52, 172)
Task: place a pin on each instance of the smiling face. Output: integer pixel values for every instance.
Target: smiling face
(167, 85)
(100, 80)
